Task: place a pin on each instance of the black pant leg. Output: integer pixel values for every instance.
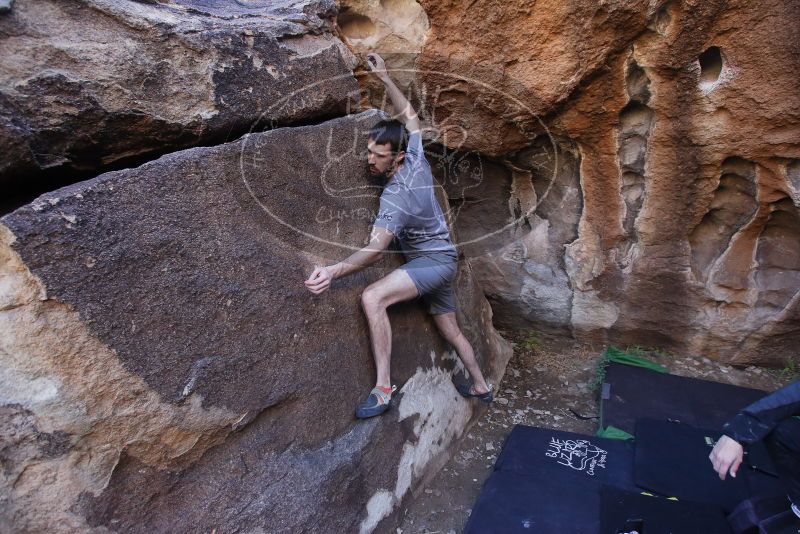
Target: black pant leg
(783, 444)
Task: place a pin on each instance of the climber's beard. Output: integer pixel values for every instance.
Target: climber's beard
(384, 176)
(381, 177)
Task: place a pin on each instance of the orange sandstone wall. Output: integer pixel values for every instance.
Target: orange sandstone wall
(663, 208)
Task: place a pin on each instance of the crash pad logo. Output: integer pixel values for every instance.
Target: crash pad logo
(578, 454)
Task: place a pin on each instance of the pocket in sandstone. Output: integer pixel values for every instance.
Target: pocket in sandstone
(732, 206)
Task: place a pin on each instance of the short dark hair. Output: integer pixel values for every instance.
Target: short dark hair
(392, 132)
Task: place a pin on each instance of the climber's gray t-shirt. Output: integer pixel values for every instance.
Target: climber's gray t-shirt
(410, 211)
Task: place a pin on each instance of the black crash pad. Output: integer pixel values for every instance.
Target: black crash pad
(783, 523)
(630, 393)
(749, 514)
(549, 481)
(511, 503)
(671, 459)
(657, 515)
(552, 453)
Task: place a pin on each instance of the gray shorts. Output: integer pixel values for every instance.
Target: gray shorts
(433, 276)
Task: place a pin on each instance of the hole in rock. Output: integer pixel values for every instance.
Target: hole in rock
(732, 206)
(662, 19)
(637, 83)
(635, 119)
(355, 25)
(633, 195)
(710, 65)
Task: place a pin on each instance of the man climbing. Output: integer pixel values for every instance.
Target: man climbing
(771, 419)
(409, 212)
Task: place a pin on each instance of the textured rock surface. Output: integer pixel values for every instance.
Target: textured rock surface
(673, 127)
(628, 172)
(513, 224)
(98, 83)
(163, 368)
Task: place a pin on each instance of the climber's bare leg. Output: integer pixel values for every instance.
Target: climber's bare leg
(397, 286)
(448, 327)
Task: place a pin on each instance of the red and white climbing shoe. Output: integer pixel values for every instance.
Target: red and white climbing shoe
(378, 401)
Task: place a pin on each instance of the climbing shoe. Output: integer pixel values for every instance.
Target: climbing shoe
(466, 391)
(377, 402)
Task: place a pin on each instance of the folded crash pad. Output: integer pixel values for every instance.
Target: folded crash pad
(511, 503)
(630, 393)
(783, 523)
(749, 514)
(657, 515)
(671, 459)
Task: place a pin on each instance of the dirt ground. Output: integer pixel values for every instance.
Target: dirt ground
(546, 377)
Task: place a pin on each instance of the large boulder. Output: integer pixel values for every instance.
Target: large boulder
(667, 210)
(87, 85)
(164, 369)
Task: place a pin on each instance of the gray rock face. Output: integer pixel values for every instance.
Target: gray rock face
(513, 222)
(164, 369)
(96, 83)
